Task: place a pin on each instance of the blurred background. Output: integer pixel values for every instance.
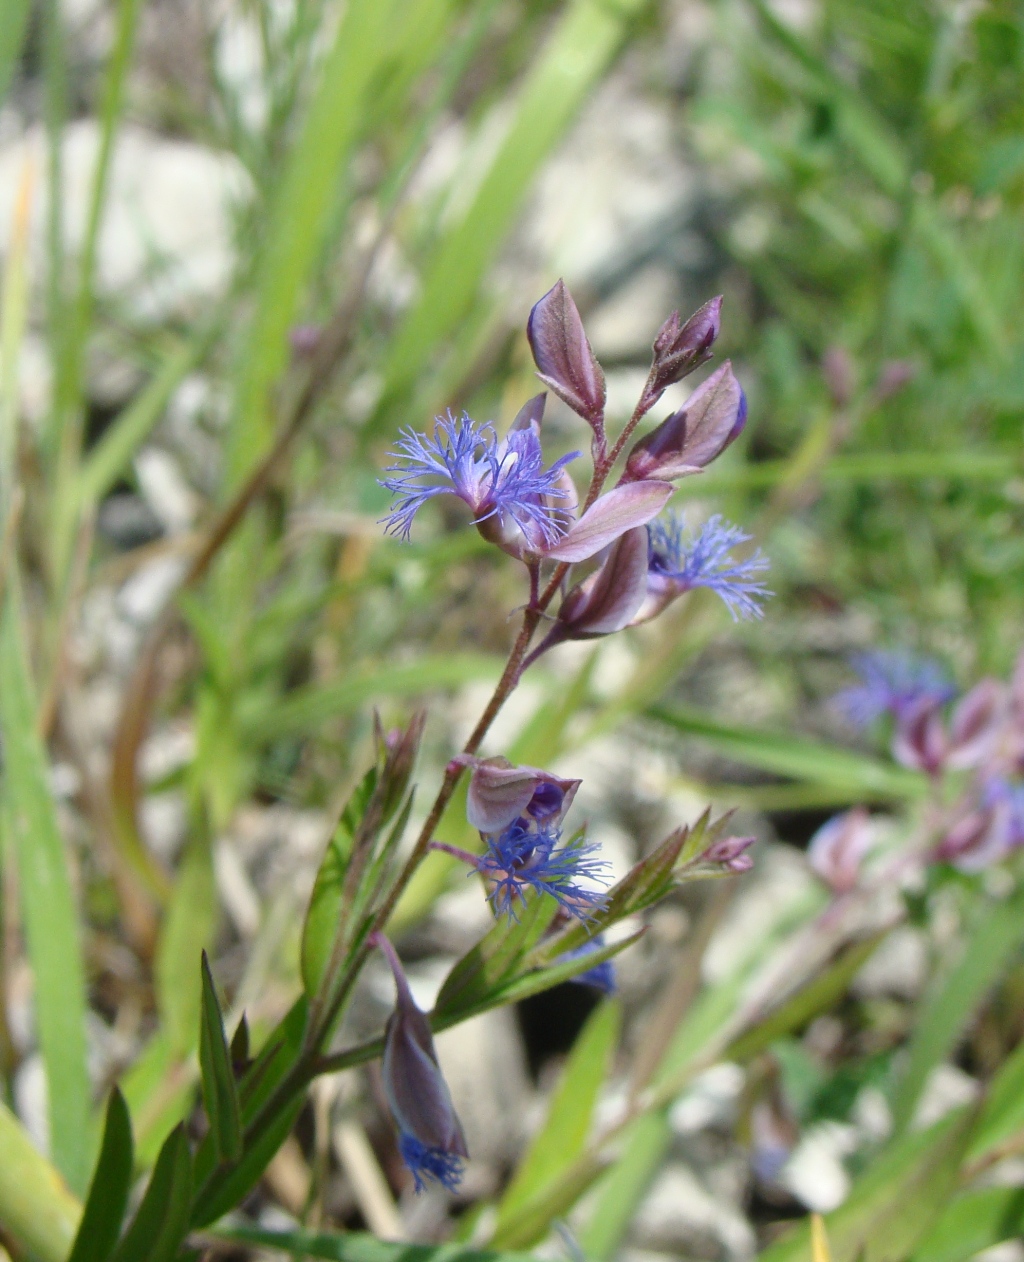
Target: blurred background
(244, 241)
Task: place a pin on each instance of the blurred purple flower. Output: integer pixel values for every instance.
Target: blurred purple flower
(601, 976)
(430, 1138)
(563, 356)
(892, 683)
(679, 560)
(505, 479)
(838, 848)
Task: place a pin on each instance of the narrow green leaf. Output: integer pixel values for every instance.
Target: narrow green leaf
(108, 1192)
(13, 29)
(794, 756)
(324, 912)
(573, 60)
(111, 456)
(895, 1203)
(48, 905)
(973, 1222)
(37, 1211)
(622, 1188)
(1002, 1114)
(306, 195)
(220, 1095)
(563, 1137)
(188, 929)
(161, 1221)
(359, 1247)
(308, 708)
(995, 938)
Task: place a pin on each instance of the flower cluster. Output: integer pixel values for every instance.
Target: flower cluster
(635, 565)
(971, 748)
(530, 509)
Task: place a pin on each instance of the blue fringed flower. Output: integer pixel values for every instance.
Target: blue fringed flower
(680, 560)
(601, 976)
(526, 857)
(892, 683)
(425, 1163)
(505, 478)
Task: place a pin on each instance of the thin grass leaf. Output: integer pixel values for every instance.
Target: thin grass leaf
(39, 1214)
(161, 1221)
(563, 1137)
(108, 1192)
(996, 937)
(577, 53)
(220, 1095)
(13, 29)
(973, 1222)
(794, 756)
(623, 1187)
(360, 1247)
(188, 930)
(48, 905)
(1002, 1115)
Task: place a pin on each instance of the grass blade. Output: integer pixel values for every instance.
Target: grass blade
(37, 1211)
(220, 1095)
(108, 1192)
(48, 903)
(161, 1221)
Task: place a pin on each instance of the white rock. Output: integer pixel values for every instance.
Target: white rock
(898, 967)
(815, 1173)
(681, 1214)
(150, 587)
(166, 238)
(946, 1089)
(31, 1101)
(163, 820)
(710, 1101)
(165, 489)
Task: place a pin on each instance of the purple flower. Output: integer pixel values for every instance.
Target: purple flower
(500, 792)
(892, 683)
(505, 480)
(527, 856)
(430, 1138)
(679, 560)
(1008, 797)
(601, 976)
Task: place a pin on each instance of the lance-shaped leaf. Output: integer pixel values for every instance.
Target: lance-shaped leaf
(679, 349)
(108, 1193)
(161, 1221)
(712, 417)
(622, 509)
(610, 598)
(220, 1096)
(563, 356)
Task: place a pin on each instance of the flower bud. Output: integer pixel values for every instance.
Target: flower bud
(974, 725)
(610, 598)
(430, 1137)
(563, 356)
(688, 440)
(730, 854)
(838, 848)
(499, 792)
(400, 750)
(919, 741)
(679, 350)
(975, 841)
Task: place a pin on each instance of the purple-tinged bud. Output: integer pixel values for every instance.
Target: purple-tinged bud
(400, 750)
(499, 792)
(608, 518)
(679, 350)
(601, 976)
(430, 1138)
(730, 854)
(688, 440)
(919, 741)
(530, 415)
(894, 377)
(610, 598)
(977, 840)
(838, 848)
(838, 370)
(304, 340)
(974, 725)
(563, 356)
